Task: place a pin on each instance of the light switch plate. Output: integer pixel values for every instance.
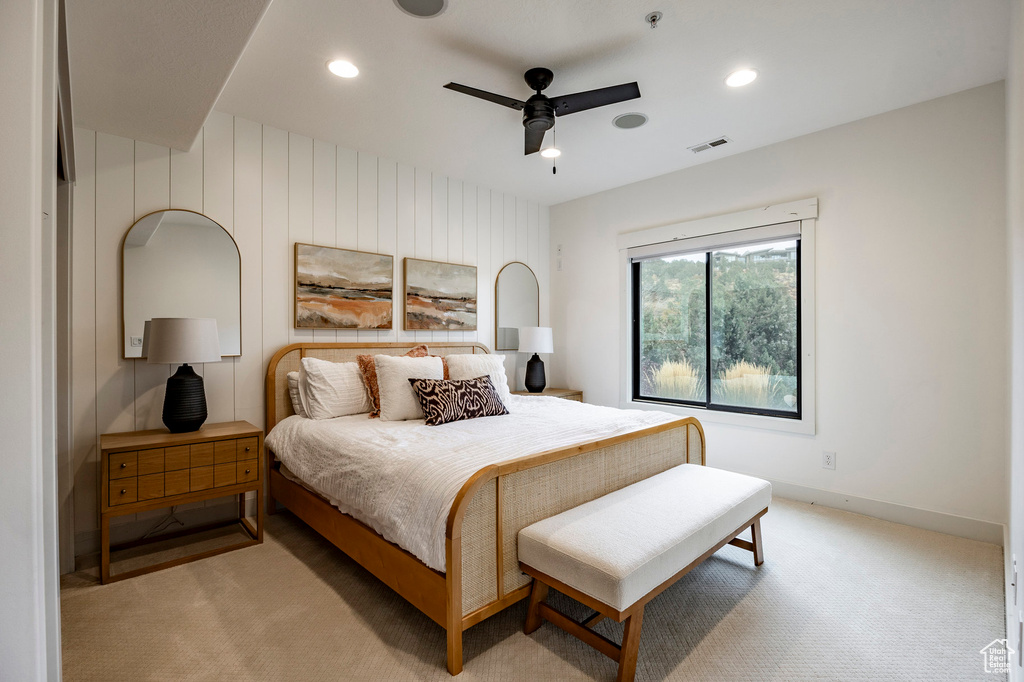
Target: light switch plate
(136, 342)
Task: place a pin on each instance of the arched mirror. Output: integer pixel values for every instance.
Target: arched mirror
(517, 303)
(180, 264)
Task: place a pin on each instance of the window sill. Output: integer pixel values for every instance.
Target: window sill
(804, 426)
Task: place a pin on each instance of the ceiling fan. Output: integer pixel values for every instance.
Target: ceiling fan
(539, 111)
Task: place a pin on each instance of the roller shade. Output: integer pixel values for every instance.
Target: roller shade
(721, 240)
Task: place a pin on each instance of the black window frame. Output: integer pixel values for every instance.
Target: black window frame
(706, 404)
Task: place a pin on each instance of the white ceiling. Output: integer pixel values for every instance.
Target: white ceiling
(151, 70)
(822, 63)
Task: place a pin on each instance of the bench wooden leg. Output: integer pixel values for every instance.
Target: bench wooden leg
(757, 541)
(533, 617)
(630, 647)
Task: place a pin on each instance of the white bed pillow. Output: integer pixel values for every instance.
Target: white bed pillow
(398, 401)
(465, 366)
(332, 389)
(293, 392)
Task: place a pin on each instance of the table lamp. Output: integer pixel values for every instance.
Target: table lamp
(535, 340)
(181, 341)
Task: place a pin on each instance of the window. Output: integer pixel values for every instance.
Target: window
(716, 322)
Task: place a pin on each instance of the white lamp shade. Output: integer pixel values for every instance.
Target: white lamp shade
(535, 340)
(181, 340)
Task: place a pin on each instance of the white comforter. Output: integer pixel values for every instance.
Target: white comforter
(401, 478)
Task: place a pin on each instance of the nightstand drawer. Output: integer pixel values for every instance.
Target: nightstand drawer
(223, 451)
(200, 478)
(151, 462)
(123, 465)
(248, 471)
(123, 491)
(176, 482)
(248, 448)
(151, 487)
(200, 455)
(176, 458)
(223, 474)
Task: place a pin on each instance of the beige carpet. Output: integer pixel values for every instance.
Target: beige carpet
(840, 597)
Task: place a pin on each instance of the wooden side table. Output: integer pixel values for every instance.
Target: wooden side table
(565, 393)
(143, 470)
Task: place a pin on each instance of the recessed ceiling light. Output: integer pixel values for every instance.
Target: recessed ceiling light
(630, 120)
(741, 77)
(339, 67)
(423, 9)
(551, 153)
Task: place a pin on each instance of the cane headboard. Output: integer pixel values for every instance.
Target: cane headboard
(288, 359)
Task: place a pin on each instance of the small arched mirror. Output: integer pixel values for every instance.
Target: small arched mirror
(517, 301)
(180, 264)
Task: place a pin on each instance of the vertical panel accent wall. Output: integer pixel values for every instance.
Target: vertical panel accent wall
(269, 188)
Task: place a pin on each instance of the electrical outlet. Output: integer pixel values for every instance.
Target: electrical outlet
(136, 342)
(828, 460)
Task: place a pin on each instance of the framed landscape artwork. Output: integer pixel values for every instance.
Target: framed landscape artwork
(342, 289)
(439, 296)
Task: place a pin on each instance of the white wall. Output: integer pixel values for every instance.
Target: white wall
(910, 300)
(29, 597)
(1015, 232)
(268, 188)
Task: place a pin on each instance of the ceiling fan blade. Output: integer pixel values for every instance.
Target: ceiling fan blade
(489, 96)
(581, 101)
(534, 139)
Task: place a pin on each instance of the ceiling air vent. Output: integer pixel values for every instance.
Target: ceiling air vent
(711, 144)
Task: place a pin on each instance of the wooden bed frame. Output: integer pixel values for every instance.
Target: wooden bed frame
(482, 575)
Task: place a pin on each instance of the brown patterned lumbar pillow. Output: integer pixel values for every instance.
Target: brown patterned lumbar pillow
(449, 401)
(369, 371)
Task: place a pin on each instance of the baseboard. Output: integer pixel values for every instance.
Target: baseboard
(951, 524)
(87, 543)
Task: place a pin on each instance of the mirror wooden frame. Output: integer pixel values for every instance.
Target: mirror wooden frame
(238, 251)
(497, 303)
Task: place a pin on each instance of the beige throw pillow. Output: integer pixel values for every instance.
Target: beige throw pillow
(398, 401)
(465, 366)
(332, 389)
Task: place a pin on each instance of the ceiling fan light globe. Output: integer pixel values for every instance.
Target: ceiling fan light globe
(342, 68)
(741, 77)
(551, 153)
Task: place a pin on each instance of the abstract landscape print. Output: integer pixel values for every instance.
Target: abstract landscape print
(439, 296)
(342, 289)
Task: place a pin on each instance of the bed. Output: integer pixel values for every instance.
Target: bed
(481, 573)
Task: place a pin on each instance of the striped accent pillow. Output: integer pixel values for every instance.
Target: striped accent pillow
(453, 400)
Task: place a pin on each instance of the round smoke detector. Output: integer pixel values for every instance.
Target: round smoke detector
(424, 9)
(630, 120)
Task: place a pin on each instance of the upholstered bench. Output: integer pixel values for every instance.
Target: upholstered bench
(618, 552)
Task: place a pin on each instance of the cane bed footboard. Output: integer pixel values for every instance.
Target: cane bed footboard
(482, 574)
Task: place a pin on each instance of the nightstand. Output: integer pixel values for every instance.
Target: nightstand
(144, 470)
(565, 393)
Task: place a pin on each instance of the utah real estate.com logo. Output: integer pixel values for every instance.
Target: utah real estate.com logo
(997, 657)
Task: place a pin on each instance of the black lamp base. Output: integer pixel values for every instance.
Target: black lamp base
(184, 401)
(535, 380)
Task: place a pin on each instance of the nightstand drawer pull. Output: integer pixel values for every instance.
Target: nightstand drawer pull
(247, 449)
(124, 491)
(124, 465)
(247, 471)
